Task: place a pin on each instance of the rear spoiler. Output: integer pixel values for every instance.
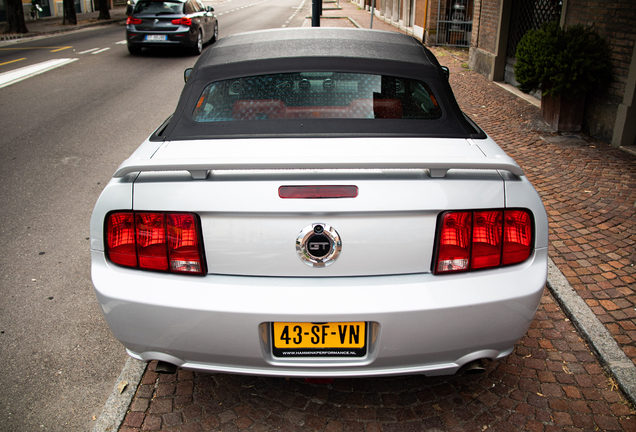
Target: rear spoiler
(199, 169)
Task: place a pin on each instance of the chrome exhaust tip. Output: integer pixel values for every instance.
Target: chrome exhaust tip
(474, 367)
(165, 368)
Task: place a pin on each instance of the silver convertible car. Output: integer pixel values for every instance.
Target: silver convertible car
(319, 206)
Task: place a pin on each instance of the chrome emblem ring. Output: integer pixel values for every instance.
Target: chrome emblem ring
(318, 245)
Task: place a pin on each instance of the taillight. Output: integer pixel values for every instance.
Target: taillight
(183, 244)
(155, 241)
(182, 21)
(132, 21)
(473, 240)
(120, 238)
(454, 242)
(151, 241)
(486, 236)
(517, 239)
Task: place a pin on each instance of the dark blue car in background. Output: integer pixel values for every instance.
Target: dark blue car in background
(171, 23)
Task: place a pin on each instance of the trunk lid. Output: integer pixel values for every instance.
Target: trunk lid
(389, 228)
(155, 22)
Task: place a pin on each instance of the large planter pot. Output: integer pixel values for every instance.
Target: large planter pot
(562, 114)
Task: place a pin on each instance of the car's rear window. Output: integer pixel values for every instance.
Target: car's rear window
(158, 7)
(316, 95)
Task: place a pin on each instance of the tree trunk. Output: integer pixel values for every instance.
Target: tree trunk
(15, 17)
(104, 14)
(70, 16)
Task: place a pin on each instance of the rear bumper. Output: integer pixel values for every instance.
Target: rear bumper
(424, 324)
(185, 39)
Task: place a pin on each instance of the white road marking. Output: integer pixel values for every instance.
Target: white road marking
(101, 50)
(298, 9)
(242, 7)
(87, 51)
(14, 76)
(121, 43)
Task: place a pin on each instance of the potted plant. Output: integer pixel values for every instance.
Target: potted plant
(564, 64)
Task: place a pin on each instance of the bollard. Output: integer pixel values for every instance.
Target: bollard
(315, 12)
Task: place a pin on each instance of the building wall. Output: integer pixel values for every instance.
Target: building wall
(610, 111)
(616, 23)
(389, 11)
(430, 20)
(486, 25)
(484, 47)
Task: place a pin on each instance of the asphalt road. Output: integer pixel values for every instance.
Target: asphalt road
(63, 133)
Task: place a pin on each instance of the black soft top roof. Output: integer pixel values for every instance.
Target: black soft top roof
(309, 49)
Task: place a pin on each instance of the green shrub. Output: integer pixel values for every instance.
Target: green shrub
(562, 62)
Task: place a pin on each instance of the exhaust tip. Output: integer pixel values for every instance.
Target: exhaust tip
(165, 368)
(474, 367)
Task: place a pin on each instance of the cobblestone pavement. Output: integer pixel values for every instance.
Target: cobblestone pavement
(551, 382)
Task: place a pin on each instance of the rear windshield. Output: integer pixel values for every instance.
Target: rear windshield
(316, 95)
(158, 7)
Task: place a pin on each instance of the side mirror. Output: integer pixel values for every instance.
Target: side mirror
(186, 74)
(209, 9)
(446, 71)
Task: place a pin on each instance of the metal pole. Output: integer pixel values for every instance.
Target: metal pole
(315, 13)
(439, 9)
(372, 7)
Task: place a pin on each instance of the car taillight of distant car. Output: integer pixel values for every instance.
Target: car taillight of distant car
(182, 21)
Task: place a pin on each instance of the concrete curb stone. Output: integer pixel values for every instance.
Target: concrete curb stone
(119, 401)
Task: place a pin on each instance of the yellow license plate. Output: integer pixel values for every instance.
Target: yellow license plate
(321, 339)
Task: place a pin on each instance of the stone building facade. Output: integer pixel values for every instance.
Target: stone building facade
(610, 113)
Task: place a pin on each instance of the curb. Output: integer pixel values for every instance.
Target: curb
(117, 404)
(612, 357)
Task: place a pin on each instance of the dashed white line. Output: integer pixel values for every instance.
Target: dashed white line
(87, 51)
(101, 50)
(242, 7)
(298, 9)
(14, 76)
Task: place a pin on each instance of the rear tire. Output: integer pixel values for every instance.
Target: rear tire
(198, 46)
(134, 50)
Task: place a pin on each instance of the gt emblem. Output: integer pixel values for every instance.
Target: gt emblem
(318, 245)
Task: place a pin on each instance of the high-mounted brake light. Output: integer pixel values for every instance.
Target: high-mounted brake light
(133, 21)
(473, 240)
(316, 192)
(182, 21)
(155, 241)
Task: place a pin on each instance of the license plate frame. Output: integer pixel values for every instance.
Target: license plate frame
(156, 38)
(321, 339)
